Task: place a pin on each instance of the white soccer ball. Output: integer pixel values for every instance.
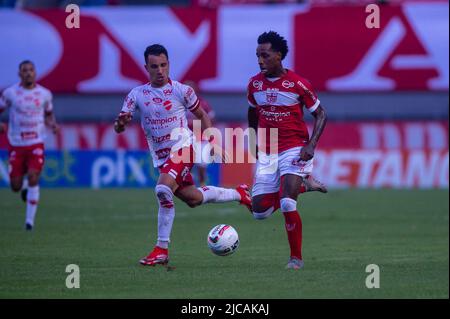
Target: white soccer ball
(223, 240)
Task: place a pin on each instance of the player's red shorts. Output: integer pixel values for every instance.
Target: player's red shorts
(180, 169)
(25, 158)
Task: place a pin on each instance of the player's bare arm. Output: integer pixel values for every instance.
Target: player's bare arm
(201, 115)
(320, 119)
(253, 124)
(50, 121)
(206, 123)
(122, 120)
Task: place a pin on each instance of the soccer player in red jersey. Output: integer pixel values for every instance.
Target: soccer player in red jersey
(30, 110)
(163, 104)
(276, 97)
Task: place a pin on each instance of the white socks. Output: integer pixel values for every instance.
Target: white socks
(166, 214)
(32, 201)
(212, 194)
(288, 205)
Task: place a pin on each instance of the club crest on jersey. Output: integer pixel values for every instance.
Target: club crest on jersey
(271, 96)
(258, 85)
(167, 105)
(287, 84)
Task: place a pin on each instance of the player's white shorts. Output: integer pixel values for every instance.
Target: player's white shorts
(270, 168)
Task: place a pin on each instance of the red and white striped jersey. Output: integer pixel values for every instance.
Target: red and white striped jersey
(162, 110)
(27, 110)
(279, 103)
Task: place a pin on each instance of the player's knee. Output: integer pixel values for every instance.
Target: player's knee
(263, 214)
(164, 195)
(288, 204)
(262, 204)
(193, 203)
(33, 179)
(262, 207)
(15, 187)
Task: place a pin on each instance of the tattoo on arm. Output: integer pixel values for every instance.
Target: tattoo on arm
(320, 119)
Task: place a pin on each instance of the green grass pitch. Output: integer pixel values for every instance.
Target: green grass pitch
(106, 232)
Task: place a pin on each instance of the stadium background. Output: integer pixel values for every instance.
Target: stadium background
(385, 90)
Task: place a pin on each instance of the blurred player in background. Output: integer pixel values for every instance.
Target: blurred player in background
(200, 165)
(276, 97)
(30, 110)
(163, 104)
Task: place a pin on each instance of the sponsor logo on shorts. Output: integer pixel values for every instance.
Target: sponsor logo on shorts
(38, 151)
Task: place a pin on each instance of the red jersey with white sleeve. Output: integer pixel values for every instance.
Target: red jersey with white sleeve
(162, 110)
(27, 108)
(279, 103)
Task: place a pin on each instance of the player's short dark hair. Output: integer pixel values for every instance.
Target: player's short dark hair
(25, 62)
(155, 49)
(279, 44)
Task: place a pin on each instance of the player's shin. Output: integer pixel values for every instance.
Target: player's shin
(293, 225)
(32, 202)
(166, 214)
(213, 194)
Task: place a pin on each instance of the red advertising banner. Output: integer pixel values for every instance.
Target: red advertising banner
(393, 135)
(329, 45)
(394, 154)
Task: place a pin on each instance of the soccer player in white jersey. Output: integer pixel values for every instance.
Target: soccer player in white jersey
(30, 110)
(162, 104)
(276, 98)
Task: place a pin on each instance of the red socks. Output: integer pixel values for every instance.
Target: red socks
(294, 232)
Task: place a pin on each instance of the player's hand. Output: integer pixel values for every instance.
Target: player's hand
(307, 152)
(121, 121)
(55, 128)
(217, 151)
(2, 128)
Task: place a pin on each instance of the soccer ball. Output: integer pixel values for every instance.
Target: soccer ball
(223, 240)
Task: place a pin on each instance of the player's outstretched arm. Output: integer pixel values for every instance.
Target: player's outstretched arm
(200, 114)
(122, 121)
(320, 119)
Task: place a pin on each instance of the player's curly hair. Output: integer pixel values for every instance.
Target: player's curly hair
(25, 62)
(279, 44)
(155, 49)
